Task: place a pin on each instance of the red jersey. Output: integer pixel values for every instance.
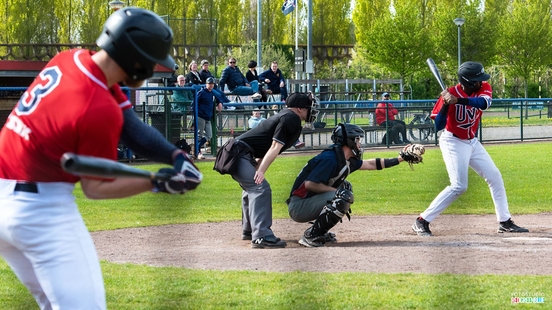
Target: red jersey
(382, 109)
(67, 108)
(463, 120)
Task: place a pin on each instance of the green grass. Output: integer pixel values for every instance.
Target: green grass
(525, 168)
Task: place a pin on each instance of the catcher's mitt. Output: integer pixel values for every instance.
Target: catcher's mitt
(412, 153)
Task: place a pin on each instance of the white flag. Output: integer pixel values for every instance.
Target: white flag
(288, 7)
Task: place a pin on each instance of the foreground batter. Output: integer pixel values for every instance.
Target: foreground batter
(248, 157)
(458, 111)
(75, 105)
(321, 192)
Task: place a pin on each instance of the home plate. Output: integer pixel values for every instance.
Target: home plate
(528, 240)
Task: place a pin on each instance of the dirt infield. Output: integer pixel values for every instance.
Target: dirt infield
(466, 244)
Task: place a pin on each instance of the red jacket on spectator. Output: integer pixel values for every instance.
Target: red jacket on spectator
(382, 108)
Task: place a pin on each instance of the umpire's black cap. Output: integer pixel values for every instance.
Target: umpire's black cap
(299, 100)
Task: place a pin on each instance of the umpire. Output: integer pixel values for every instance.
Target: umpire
(248, 157)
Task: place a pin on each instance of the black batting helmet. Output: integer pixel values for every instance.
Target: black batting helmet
(349, 135)
(137, 39)
(471, 72)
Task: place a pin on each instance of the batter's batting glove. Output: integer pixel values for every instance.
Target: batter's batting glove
(184, 165)
(177, 184)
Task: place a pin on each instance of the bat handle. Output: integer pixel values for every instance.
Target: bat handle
(160, 176)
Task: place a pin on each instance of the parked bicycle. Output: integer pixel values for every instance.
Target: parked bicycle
(422, 127)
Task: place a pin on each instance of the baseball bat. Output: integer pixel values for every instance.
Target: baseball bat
(102, 167)
(435, 71)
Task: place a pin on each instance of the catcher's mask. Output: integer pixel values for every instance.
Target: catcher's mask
(470, 73)
(305, 100)
(350, 135)
(137, 39)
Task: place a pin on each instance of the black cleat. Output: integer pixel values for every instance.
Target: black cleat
(509, 226)
(312, 242)
(421, 227)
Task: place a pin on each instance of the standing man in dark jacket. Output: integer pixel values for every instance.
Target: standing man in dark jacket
(275, 80)
(236, 81)
(255, 150)
(205, 108)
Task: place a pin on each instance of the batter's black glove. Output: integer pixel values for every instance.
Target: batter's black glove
(184, 165)
(177, 184)
(185, 176)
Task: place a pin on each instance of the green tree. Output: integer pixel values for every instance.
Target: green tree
(525, 38)
(398, 40)
(331, 22)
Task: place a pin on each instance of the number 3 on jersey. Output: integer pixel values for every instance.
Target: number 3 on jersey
(46, 82)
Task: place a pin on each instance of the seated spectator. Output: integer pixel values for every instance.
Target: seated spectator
(385, 116)
(198, 80)
(255, 118)
(237, 83)
(181, 99)
(204, 73)
(193, 77)
(252, 75)
(275, 80)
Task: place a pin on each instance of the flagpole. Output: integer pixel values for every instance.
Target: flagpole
(296, 25)
(296, 38)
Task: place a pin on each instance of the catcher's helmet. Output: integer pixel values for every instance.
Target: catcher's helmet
(304, 100)
(349, 135)
(470, 72)
(137, 39)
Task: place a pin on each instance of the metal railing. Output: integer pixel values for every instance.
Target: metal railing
(517, 119)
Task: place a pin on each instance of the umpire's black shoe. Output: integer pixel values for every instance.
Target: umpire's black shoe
(509, 226)
(269, 241)
(421, 227)
(246, 235)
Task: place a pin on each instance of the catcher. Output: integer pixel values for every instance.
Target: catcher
(321, 193)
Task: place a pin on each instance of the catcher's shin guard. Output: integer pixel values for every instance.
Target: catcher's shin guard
(332, 213)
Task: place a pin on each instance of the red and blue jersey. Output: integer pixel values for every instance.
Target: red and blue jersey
(67, 108)
(463, 120)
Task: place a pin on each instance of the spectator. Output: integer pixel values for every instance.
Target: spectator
(193, 77)
(251, 76)
(385, 117)
(255, 118)
(204, 74)
(205, 107)
(237, 83)
(275, 80)
(182, 99)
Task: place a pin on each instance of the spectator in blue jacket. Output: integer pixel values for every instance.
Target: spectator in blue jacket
(205, 111)
(236, 81)
(204, 74)
(275, 80)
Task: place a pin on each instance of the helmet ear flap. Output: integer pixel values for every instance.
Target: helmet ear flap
(335, 134)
